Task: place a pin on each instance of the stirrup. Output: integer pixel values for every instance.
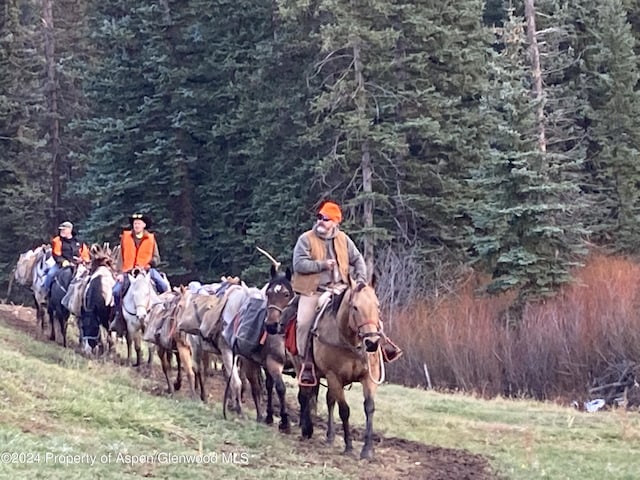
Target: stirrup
(306, 366)
(396, 350)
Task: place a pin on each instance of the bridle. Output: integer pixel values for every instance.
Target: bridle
(273, 306)
(135, 313)
(364, 335)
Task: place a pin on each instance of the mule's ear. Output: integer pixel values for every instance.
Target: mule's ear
(287, 274)
(274, 272)
(374, 281)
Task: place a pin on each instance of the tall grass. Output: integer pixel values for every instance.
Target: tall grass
(555, 350)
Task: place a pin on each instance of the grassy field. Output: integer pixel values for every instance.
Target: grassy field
(63, 416)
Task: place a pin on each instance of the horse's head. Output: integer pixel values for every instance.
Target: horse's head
(101, 260)
(184, 301)
(364, 316)
(140, 291)
(279, 293)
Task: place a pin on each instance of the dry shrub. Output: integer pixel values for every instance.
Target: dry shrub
(554, 351)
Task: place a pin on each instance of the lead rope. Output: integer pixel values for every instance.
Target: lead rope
(381, 362)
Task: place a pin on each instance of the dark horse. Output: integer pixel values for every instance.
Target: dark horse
(54, 307)
(346, 349)
(98, 304)
(272, 355)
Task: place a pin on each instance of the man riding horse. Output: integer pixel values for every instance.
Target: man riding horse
(67, 251)
(322, 258)
(138, 248)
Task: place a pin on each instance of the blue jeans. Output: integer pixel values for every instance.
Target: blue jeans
(159, 282)
(51, 273)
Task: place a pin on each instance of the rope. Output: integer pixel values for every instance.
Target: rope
(381, 363)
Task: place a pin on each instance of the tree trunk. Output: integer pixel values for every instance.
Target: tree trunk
(365, 162)
(51, 93)
(534, 55)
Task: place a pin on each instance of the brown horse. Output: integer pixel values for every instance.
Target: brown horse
(346, 349)
(272, 354)
(187, 348)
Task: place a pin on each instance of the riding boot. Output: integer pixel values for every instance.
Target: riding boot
(307, 376)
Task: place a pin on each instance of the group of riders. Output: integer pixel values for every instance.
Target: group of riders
(324, 259)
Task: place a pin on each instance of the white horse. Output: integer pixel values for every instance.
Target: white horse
(136, 303)
(30, 271)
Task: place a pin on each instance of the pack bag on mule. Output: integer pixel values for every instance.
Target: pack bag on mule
(73, 299)
(161, 321)
(245, 334)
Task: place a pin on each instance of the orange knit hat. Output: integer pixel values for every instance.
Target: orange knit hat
(332, 211)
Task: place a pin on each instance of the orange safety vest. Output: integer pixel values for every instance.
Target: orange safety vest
(136, 256)
(56, 249)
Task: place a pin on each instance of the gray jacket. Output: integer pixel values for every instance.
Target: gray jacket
(304, 264)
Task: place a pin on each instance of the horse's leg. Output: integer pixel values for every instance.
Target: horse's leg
(39, 313)
(274, 370)
(150, 348)
(331, 403)
(200, 376)
(252, 372)
(178, 383)
(129, 338)
(235, 383)
(304, 398)
(369, 391)
(105, 325)
(63, 329)
(335, 385)
(137, 343)
(204, 372)
(184, 355)
(269, 386)
(165, 361)
(52, 319)
(42, 313)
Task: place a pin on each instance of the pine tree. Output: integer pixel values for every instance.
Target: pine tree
(523, 233)
(23, 168)
(608, 78)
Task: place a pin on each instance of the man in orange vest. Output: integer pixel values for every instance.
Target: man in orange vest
(66, 250)
(138, 248)
(321, 259)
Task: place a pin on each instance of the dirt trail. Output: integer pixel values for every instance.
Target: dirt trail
(396, 458)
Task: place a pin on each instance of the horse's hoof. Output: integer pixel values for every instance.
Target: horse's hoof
(366, 453)
(268, 420)
(330, 439)
(307, 432)
(347, 451)
(284, 428)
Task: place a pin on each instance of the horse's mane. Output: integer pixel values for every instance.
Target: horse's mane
(336, 301)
